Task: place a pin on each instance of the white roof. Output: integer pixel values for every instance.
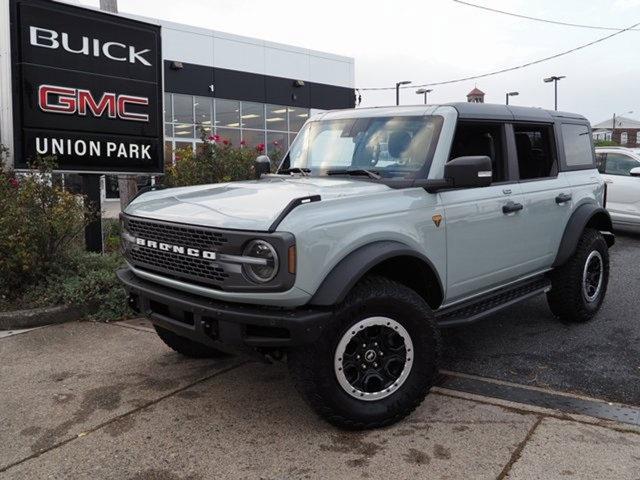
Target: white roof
(621, 122)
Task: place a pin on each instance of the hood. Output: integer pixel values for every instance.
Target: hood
(251, 205)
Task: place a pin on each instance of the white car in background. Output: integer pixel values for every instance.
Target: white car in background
(620, 168)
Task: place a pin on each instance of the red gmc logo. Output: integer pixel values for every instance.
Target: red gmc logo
(57, 99)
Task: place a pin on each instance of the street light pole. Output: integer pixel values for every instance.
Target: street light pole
(404, 82)
(424, 91)
(555, 80)
(510, 94)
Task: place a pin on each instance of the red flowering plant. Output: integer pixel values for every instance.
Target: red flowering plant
(216, 160)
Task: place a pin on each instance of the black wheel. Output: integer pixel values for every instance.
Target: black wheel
(374, 364)
(579, 286)
(187, 347)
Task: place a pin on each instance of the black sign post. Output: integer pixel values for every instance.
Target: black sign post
(87, 90)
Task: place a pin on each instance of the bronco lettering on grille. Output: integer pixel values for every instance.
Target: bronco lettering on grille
(166, 247)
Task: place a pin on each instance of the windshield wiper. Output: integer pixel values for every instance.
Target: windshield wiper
(370, 173)
(302, 171)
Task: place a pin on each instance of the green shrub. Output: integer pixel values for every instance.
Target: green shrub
(39, 224)
(216, 160)
(86, 280)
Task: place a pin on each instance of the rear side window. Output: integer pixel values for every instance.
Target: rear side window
(577, 146)
(535, 148)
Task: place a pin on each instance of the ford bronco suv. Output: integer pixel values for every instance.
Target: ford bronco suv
(379, 227)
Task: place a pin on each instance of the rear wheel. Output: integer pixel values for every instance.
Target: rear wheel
(187, 347)
(579, 286)
(377, 360)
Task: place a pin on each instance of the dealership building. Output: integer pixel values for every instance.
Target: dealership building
(246, 90)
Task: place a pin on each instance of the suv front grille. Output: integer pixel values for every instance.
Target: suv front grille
(182, 267)
(177, 234)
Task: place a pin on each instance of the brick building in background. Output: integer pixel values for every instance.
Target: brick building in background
(625, 133)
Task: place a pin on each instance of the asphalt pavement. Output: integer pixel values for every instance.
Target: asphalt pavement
(525, 344)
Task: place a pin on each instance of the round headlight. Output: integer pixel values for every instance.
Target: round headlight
(262, 261)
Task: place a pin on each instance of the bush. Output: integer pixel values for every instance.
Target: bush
(87, 281)
(216, 160)
(39, 225)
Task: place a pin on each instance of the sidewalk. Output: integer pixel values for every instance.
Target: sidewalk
(107, 401)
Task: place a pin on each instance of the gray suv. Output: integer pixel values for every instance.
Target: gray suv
(380, 227)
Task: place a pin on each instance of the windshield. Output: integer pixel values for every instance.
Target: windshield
(389, 146)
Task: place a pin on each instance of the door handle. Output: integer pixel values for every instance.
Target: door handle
(512, 207)
(608, 180)
(563, 198)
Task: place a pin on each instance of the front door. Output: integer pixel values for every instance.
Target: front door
(484, 226)
(623, 190)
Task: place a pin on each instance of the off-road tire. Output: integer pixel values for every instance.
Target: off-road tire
(187, 347)
(312, 367)
(566, 298)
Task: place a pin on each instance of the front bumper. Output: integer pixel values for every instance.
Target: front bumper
(226, 326)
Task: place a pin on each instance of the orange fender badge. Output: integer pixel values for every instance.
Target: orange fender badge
(437, 219)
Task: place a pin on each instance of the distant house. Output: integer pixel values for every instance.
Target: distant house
(625, 132)
(475, 96)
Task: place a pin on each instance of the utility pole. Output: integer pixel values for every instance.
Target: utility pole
(127, 184)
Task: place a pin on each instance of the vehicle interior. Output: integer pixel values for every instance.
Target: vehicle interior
(481, 139)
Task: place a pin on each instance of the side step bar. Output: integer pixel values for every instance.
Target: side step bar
(474, 310)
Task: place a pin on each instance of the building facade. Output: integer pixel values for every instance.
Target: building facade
(623, 131)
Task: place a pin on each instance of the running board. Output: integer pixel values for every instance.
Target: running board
(474, 310)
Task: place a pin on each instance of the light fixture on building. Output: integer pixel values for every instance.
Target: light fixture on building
(298, 83)
(176, 66)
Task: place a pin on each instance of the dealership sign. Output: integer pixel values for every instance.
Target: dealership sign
(87, 89)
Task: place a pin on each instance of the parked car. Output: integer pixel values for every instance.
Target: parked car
(620, 168)
(380, 227)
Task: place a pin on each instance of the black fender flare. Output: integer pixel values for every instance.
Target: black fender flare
(586, 214)
(355, 265)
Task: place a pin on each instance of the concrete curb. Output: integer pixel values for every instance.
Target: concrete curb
(38, 317)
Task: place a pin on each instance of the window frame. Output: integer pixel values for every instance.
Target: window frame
(555, 168)
(507, 148)
(622, 154)
(559, 134)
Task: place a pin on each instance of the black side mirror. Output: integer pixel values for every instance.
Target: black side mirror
(469, 172)
(635, 172)
(261, 165)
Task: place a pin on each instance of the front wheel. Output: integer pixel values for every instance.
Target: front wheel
(578, 287)
(377, 360)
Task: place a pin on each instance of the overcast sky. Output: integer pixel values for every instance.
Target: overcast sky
(435, 40)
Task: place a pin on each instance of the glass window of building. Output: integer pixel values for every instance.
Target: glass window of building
(184, 130)
(227, 113)
(231, 135)
(253, 115)
(297, 117)
(276, 117)
(168, 111)
(168, 130)
(277, 142)
(253, 138)
(182, 108)
(203, 114)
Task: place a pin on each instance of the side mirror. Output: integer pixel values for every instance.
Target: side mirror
(635, 172)
(261, 165)
(469, 172)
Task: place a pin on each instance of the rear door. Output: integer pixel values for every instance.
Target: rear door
(623, 190)
(547, 193)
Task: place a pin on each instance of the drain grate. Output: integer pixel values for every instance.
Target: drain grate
(522, 394)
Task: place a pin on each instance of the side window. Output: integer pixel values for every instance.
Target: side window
(601, 158)
(578, 151)
(618, 164)
(482, 139)
(536, 152)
